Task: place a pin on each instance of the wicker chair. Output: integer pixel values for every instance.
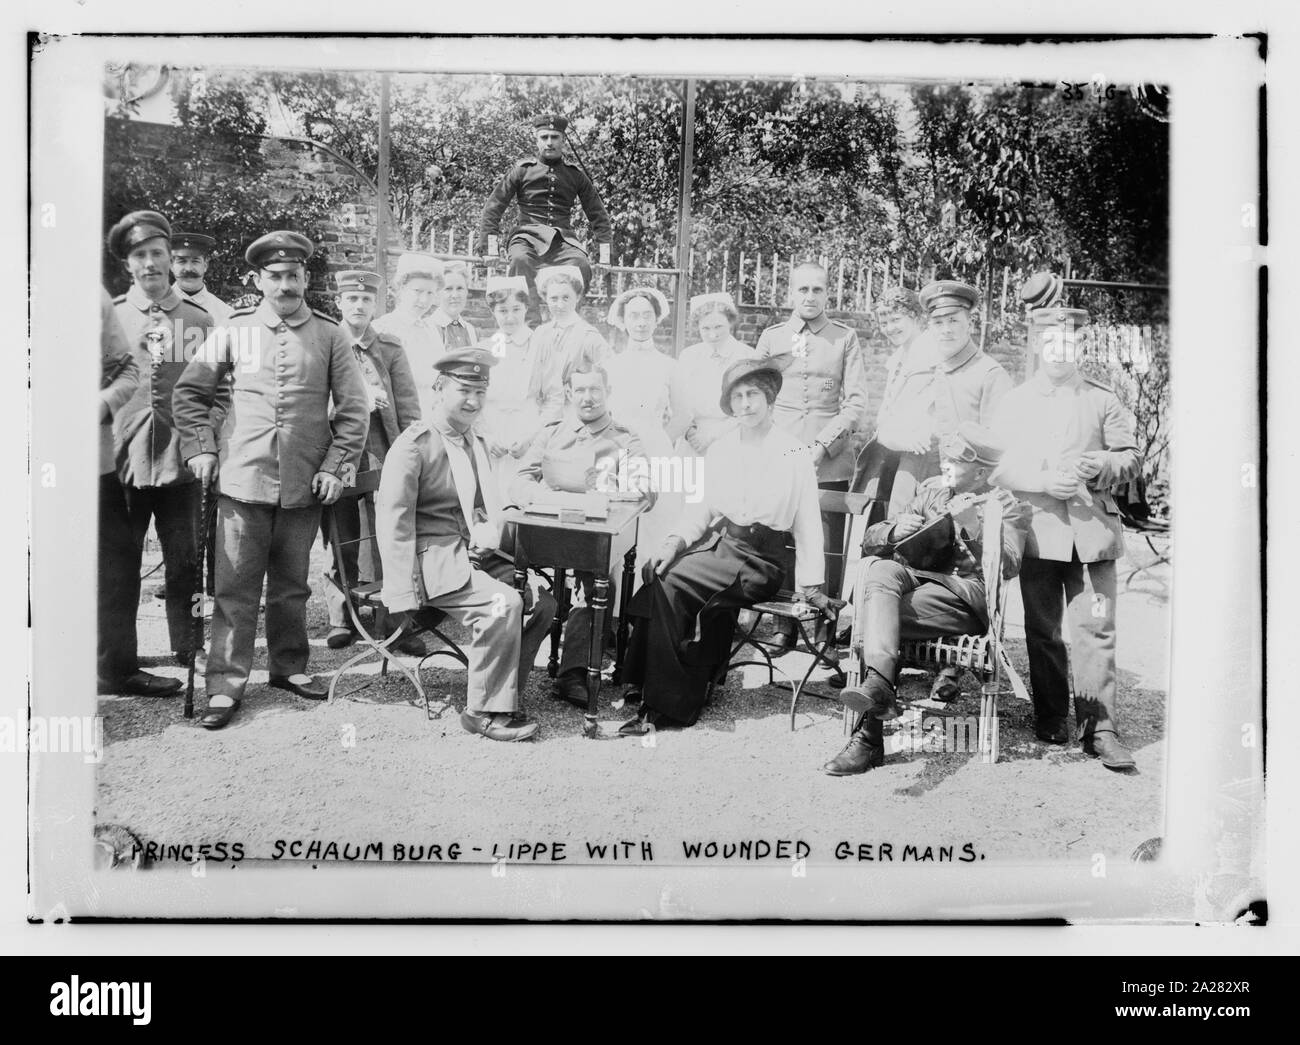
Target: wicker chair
(983, 655)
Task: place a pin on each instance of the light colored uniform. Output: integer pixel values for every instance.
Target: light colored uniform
(426, 499)
(1045, 428)
(213, 305)
(277, 436)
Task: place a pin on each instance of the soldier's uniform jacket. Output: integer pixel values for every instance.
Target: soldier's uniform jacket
(563, 454)
(823, 397)
(213, 305)
(967, 387)
(278, 433)
(960, 569)
(1043, 425)
(119, 376)
(423, 511)
(546, 193)
(148, 443)
(394, 370)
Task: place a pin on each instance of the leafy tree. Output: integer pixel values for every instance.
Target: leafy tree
(210, 176)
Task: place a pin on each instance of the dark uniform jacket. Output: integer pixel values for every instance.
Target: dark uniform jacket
(546, 193)
(959, 567)
(148, 443)
(394, 370)
(279, 432)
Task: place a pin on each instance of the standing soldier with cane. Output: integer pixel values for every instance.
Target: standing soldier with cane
(281, 459)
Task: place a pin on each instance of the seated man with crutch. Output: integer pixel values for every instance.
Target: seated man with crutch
(925, 580)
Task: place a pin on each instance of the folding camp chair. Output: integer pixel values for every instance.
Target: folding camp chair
(427, 619)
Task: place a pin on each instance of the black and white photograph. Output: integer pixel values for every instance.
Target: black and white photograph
(672, 479)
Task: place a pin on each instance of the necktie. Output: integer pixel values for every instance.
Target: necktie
(480, 508)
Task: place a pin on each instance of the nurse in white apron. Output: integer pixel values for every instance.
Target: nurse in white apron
(641, 383)
(526, 392)
(415, 290)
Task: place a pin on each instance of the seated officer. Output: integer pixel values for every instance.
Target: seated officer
(944, 595)
(583, 451)
(438, 523)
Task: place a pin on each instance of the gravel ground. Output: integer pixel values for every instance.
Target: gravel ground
(374, 769)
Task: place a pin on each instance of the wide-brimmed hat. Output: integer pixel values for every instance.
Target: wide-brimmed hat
(742, 369)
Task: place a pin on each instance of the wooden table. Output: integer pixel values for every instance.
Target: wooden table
(585, 547)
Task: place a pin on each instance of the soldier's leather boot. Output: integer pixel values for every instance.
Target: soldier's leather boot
(864, 751)
(875, 698)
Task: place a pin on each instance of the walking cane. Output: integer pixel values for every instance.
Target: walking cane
(197, 640)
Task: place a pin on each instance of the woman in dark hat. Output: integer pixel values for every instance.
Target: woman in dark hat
(728, 551)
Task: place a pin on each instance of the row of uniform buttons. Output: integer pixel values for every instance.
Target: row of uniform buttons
(282, 340)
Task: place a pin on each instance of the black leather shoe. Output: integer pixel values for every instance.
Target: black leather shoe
(143, 684)
(946, 686)
(411, 645)
(340, 637)
(312, 690)
(216, 718)
(571, 687)
(859, 756)
(647, 721)
(1113, 754)
(1053, 734)
(499, 725)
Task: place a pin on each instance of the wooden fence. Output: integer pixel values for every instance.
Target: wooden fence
(755, 278)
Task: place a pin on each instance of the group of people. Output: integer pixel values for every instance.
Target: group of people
(283, 405)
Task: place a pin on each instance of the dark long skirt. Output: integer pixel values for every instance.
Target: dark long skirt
(683, 622)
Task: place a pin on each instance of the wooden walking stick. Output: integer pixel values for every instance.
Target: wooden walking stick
(197, 598)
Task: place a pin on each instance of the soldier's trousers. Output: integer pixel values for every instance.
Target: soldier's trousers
(525, 261)
(256, 542)
(1086, 592)
(119, 584)
(174, 511)
(503, 644)
(902, 605)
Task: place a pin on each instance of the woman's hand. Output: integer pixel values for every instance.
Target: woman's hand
(668, 553)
